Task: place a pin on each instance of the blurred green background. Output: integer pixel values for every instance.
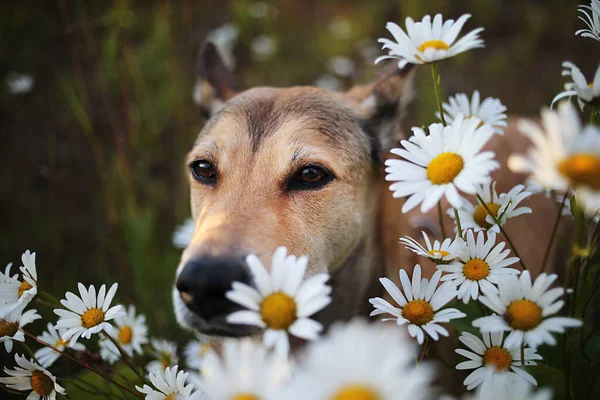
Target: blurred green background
(97, 113)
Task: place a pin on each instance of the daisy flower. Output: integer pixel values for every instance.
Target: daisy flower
(587, 93)
(503, 207)
(169, 384)
(246, 371)
(10, 327)
(492, 353)
(592, 19)
(564, 155)
(88, 314)
(165, 353)
(359, 360)
(428, 41)
(525, 310)
(438, 164)
(481, 264)
(131, 333)
(496, 387)
(183, 234)
(29, 376)
(419, 305)
(15, 294)
(439, 253)
(46, 355)
(281, 302)
(490, 112)
(194, 352)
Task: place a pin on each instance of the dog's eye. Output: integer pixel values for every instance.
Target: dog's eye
(310, 177)
(204, 171)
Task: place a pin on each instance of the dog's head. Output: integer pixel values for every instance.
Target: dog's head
(298, 167)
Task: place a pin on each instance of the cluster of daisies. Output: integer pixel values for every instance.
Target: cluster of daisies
(360, 360)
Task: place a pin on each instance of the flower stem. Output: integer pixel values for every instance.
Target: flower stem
(441, 217)
(424, 351)
(593, 113)
(510, 243)
(30, 352)
(458, 226)
(124, 356)
(523, 353)
(436, 86)
(139, 396)
(50, 298)
(554, 229)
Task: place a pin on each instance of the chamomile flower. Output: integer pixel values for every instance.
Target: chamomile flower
(500, 387)
(358, 360)
(503, 208)
(564, 155)
(281, 303)
(441, 163)
(492, 353)
(439, 253)
(591, 18)
(490, 112)
(246, 371)
(587, 93)
(88, 314)
(419, 305)
(194, 352)
(525, 310)
(10, 326)
(165, 353)
(15, 294)
(29, 376)
(130, 333)
(170, 384)
(46, 355)
(481, 264)
(428, 41)
(183, 234)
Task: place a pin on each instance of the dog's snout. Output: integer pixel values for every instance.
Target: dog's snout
(203, 282)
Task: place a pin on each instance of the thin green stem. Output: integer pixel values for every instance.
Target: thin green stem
(424, 351)
(124, 356)
(554, 229)
(139, 396)
(50, 298)
(458, 226)
(593, 113)
(30, 352)
(441, 217)
(436, 86)
(523, 354)
(510, 243)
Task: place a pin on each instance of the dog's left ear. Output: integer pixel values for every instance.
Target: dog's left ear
(382, 104)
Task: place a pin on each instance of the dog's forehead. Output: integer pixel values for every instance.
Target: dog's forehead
(262, 112)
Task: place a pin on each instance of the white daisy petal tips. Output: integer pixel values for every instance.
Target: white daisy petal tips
(131, 333)
(490, 112)
(481, 264)
(11, 324)
(359, 360)
(170, 384)
(281, 302)
(88, 314)
(30, 376)
(591, 17)
(504, 361)
(246, 370)
(439, 253)
(526, 310)
(46, 355)
(428, 41)
(165, 353)
(586, 93)
(420, 304)
(440, 164)
(15, 294)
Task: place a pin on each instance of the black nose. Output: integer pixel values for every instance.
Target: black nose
(204, 281)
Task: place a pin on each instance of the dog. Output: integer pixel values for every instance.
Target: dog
(302, 167)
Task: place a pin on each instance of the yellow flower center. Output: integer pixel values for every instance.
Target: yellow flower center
(582, 169)
(245, 396)
(523, 315)
(60, 344)
(205, 348)
(418, 312)
(170, 396)
(356, 392)
(165, 360)
(8, 329)
(481, 213)
(444, 168)
(278, 310)
(125, 334)
(25, 286)
(434, 44)
(498, 357)
(441, 254)
(92, 317)
(41, 383)
(591, 85)
(476, 269)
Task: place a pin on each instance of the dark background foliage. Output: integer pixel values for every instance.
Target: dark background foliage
(92, 155)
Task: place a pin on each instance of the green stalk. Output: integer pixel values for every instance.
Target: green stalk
(441, 218)
(436, 86)
(458, 226)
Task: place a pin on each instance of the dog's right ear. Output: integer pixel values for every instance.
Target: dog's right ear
(215, 83)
